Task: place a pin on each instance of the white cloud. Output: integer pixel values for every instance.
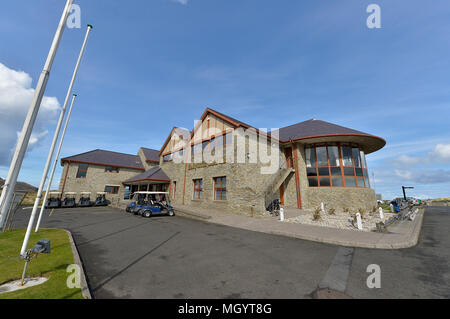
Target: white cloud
(183, 2)
(15, 98)
(439, 155)
(437, 176)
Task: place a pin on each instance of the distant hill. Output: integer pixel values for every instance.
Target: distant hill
(21, 186)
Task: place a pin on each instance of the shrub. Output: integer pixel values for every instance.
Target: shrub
(346, 210)
(316, 214)
(332, 211)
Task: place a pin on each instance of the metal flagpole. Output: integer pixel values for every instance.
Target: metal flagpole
(52, 148)
(55, 163)
(22, 143)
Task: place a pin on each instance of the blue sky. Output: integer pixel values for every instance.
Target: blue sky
(154, 64)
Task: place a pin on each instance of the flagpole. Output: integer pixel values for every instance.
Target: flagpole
(52, 148)
(49, 184)
(22, 143)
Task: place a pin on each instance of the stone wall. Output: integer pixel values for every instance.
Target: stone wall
(245, 183)
(96, 180)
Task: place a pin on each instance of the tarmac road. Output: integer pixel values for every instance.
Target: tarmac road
(127, 256)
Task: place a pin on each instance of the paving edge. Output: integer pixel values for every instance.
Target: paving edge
(413, 237)
(189, 213)
(76, 257)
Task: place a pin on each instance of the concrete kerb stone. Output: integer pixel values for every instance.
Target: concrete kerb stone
(76, 257)
(411, 239)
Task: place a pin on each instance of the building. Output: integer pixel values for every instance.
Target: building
(226, 164)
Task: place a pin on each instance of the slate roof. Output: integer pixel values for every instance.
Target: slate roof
(106, 158)
(155, 173)
(151, 155)
(314, 127)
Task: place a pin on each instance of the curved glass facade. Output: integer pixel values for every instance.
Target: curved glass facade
(336, 165)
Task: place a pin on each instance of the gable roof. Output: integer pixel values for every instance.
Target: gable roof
(224, 117)
(151, 155)
(181, 131)
(154, 174)
(106, 158)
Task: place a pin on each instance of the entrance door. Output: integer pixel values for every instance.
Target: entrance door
(288, 154)
(282, 194)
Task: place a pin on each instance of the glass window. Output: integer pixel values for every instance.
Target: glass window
(355, 152)
(168, 157)
(110, 169)
(333, 153)
(367, 179)
(323, 166)
(363, 159)
(337, 181)
(310, 157)
(198, 188)
(322, 158)
(323, 171)
(350, 181)
(311, 171)
(324, 181)
(82, 170)
(112, 189)
(220, 188)
(347, 156)
(313, 181)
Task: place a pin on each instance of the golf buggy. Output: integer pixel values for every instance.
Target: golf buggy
(69, 200)
(156, 203)
(101, 199)
(53, 200)
(85, 199)
(139, 200)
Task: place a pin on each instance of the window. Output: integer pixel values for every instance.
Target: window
(112, 189)
(220, 188)
(198, 188)
(179, 154)
(168, 157)
(110, 169)
(336, 165)
(82, 170)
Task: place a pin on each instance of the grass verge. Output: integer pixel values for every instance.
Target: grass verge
(51, 265)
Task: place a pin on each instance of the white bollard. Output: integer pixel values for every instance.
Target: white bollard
(282, 214)
(381, 213)
(392, 208)
(322, 207)
(358, 221)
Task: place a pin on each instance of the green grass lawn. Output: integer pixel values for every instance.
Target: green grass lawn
(51, 265)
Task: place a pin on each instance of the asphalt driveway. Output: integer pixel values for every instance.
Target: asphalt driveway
(127, 256)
